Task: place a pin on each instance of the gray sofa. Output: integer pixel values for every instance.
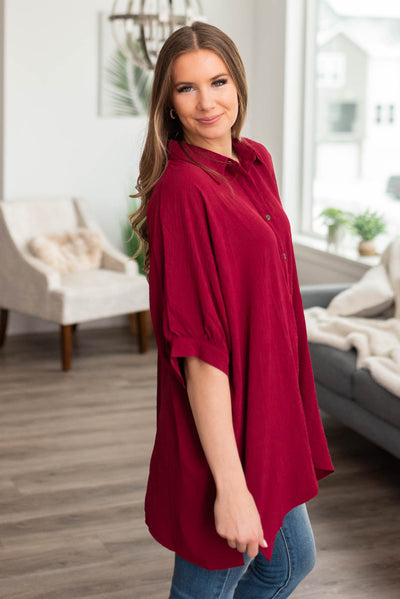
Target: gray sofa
(347, 393)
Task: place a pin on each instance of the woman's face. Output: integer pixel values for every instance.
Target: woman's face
(205, 99)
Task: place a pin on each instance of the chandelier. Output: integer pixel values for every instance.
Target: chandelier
(141, 29)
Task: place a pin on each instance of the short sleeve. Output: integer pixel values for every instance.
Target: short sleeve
(185, 288)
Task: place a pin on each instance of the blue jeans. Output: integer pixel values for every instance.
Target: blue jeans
(292, 559)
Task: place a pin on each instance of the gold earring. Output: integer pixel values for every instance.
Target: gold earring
(172, 113)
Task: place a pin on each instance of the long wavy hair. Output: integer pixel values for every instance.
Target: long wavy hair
(162, 127)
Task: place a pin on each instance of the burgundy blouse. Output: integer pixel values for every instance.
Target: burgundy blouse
(224, 288)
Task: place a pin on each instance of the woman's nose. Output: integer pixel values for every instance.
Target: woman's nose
(205, 99)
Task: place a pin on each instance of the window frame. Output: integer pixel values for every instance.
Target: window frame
(298, 123)
(310, 86)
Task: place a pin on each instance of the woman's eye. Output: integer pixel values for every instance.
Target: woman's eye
(184, 88)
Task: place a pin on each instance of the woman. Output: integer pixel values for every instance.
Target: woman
(239, 445)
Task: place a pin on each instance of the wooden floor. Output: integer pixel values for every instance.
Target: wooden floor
(74, 451)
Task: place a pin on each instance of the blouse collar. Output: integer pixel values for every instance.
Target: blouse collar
(187, 152)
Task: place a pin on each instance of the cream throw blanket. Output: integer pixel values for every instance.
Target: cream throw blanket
(377, 340)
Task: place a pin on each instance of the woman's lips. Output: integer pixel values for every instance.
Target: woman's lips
(209, 121)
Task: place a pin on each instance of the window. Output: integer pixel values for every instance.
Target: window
(353, 149)
(331, 69)
(341, 117)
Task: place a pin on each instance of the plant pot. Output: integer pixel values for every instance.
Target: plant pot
(366, 248)
(335, 236)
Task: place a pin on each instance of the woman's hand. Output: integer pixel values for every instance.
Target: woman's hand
(237, 520)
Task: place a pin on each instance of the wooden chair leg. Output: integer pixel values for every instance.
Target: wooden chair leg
(132, 323)
(3, 325)
(66, 346)
(142, 331)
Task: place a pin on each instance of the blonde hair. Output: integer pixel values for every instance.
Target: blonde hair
(162, 127)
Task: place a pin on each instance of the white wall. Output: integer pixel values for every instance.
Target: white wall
(269, 78)
(237, 19)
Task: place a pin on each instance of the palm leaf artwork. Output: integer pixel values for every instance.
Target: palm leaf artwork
(129, 86)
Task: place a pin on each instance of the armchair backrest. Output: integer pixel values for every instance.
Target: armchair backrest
(25, 219)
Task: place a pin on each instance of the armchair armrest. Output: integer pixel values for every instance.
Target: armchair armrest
(321, 295)
(113, 259)
(48, 277)
(25, 280)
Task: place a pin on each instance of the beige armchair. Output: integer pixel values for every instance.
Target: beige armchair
(30, 286)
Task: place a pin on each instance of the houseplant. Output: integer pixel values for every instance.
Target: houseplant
(368, 225)
(336, 220)
(131, 244)
(130, 238)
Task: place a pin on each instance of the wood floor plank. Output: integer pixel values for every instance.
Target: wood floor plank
(74, 455)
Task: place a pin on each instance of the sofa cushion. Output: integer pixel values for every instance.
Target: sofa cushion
(370, 296)
(374, 398)
(333, 368)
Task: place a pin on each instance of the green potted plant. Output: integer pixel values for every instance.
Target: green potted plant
(131, 244)
(336, 220)
(368, 225)
(131, 240)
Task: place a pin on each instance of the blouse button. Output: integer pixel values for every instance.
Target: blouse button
(268, 216)
(284, 255)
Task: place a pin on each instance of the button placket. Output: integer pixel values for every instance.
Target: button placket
(268, 217)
